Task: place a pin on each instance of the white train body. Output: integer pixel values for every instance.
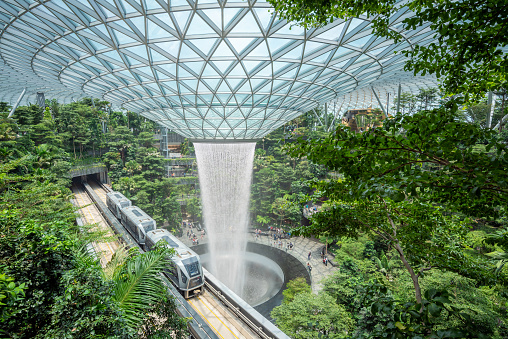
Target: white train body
(116, 201)
(186, 271)
(137, 222)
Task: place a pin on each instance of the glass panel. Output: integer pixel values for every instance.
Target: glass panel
(229, 15)
(246, 25)
(240, 43)
(199, 26)
(181, 18)
(223, 50)
(295, 53)
(204, 45)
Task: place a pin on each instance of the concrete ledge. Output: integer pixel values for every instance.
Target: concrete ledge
(245, 309)
(291, 266)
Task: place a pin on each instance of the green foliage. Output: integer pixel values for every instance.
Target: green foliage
(138, 285)
(42, 249)
(370, 250)
(433, 159)
(294, 287)
(313, 316)
(10, 292)
(166, 323)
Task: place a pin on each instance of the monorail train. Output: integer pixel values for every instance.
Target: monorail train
(116, 201)
(185, 271)
(137, 222)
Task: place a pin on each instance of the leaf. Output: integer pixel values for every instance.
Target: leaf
(400, 326)
(434, 310)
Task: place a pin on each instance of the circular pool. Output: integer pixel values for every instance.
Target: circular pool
(268, 270)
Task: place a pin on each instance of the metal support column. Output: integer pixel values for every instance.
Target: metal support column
(398, 99)
(17, 103)
(326, 116)
(315, 114)
(387, 103)
(379, 102)
(491, 103)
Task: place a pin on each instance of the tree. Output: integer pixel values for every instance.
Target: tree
(121, 139)
(434, 159)
(172, 212)
(466, 54)
(407, 103)
(393, 181)
(313, 316)
(295, 287)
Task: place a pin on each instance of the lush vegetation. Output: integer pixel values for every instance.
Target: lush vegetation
(50, 285)
(418, 218)
(418, 211)
(279, 181)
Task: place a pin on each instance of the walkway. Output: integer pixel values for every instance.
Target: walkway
(300, 250)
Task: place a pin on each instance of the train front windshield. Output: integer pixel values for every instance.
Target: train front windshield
(192, 266)
(148, 226)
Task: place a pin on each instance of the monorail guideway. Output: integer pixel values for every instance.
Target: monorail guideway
(214, 314)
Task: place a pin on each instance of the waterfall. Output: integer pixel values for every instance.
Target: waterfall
(225, 174)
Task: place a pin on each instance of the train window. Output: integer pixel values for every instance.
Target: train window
(172, 270)
(192, 266)
(124, 204)
(184, 278)
(118, 196)
(170, 242)
(148, 226)
(136, 213)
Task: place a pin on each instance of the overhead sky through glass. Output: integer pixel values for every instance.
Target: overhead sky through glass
(206, 69)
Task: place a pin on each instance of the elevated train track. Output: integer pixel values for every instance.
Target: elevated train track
(216, 314)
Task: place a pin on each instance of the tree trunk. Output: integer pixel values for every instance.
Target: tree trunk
(414, 276)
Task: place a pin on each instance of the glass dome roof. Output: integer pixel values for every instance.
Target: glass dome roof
(206, 69)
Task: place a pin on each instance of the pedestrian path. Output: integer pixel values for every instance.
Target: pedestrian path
(301, 248)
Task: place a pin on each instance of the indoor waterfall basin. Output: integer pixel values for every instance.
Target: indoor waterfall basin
(268, 270)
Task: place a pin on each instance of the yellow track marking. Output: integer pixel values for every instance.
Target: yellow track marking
(217, 317)
(202, 316)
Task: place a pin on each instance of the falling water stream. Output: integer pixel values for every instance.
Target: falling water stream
(225, 174)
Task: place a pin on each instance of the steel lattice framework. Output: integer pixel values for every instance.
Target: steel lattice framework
(206, 69)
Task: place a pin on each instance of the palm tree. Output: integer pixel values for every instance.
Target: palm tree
(138, 282)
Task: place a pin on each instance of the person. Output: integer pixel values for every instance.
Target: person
(309, 267)
(326, 261)
(309, 255)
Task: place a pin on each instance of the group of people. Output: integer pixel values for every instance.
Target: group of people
(278, 233)
(324, 257)
(278, 243)
(191, 235)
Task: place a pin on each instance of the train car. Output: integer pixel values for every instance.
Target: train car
(137, 222)
(185, 270)
(116, 201)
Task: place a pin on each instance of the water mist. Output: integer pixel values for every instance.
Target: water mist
(225, 174)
